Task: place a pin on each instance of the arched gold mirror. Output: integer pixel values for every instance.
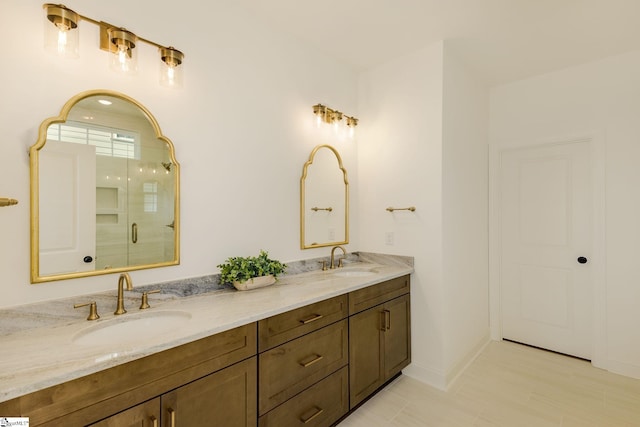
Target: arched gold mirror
(324, 200)
(105, 190)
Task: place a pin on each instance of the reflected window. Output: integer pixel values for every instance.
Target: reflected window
(150, 190)
(108, 141)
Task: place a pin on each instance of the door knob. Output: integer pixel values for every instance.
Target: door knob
(582, 260)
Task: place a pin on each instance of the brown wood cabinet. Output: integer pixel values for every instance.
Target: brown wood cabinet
(306, 366)
(379, 338)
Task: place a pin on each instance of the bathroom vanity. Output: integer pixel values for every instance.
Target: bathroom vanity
(305, 351)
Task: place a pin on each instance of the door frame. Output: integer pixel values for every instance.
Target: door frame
(598, 257)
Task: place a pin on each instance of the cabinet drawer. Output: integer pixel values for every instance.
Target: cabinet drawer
(371, 296)
(284, 327)
(318, 406)
(288, 369)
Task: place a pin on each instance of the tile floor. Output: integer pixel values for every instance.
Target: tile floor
(509, 385)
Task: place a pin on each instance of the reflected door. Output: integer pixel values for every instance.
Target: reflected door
(67, 208)
(546, 226)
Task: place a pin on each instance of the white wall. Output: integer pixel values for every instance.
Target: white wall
(603, 99)
(242, 127)
(400, 165)
(424, 145)
(465, 189)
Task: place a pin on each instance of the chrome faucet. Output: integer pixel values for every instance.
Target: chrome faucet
(124, 277)
(344, 255)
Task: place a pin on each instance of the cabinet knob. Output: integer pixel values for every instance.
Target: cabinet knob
(582, 260)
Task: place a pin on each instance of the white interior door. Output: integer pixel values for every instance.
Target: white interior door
(67, 207)
(546, 217)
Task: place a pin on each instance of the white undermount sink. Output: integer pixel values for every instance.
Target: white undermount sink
(133, 327)
(355, 272)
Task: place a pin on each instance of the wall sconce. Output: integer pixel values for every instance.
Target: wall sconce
(334, 117)
(61, 37)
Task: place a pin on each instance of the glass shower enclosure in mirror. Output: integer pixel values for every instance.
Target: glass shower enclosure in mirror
(104, 190)
(324, 200)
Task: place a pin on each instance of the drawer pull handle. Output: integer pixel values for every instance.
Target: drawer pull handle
(172, 417)
(312, 318)
(312, 417)
(154, 421)
(311, 362)
(385, 320)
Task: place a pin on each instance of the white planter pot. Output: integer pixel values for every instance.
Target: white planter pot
(255, 283)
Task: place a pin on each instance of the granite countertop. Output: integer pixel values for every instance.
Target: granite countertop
(48, 351)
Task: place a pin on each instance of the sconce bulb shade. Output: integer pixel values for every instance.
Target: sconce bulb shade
(60, 36)
(171, 68)
(320, 111)
(125, 58)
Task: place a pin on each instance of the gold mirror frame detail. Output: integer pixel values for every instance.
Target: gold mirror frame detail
(303, 244)
(35, 179)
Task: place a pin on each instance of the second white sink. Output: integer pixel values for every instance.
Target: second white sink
(132, 327)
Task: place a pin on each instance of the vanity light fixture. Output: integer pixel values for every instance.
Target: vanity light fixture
(334, 117)
(61, 37)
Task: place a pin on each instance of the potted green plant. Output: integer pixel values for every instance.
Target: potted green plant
(250, 272)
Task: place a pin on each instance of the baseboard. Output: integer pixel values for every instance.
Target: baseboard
(622, 368)
(441, 380)
(458, 369)
(428, 376)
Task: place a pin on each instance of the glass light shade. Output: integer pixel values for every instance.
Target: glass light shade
(124, 58)
(61, 36)
(171, 67)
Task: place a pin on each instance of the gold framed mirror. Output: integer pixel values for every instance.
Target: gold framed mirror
(324, 200)
(105, 190)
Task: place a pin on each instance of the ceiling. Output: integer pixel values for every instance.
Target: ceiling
(503, 40)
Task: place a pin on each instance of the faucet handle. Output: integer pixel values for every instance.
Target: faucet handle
(144, 304)
(324, 265)
(340, 264)
(93, 309)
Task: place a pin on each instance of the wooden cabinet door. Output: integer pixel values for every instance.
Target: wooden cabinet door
(397, 335)
(366, 371)
(146, 414)
(379, 346)
(225, 398)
